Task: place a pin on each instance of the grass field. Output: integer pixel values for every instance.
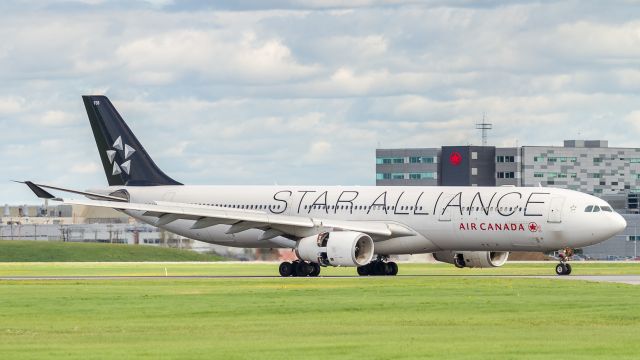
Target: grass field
(52, 251)
(271, 269)
(404, 317)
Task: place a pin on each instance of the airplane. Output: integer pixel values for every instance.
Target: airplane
(356, 226)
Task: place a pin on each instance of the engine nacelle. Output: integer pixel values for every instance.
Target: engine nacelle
(477, 259)
(337, 248)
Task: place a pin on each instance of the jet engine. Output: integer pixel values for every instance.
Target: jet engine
(477, 259)
(336, 248)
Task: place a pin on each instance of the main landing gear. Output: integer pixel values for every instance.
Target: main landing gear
(299, 268)
(564, 268)
(379, 267)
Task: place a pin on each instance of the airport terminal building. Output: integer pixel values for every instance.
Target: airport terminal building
(589, 166)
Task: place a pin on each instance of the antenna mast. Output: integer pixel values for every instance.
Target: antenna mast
(484, 126)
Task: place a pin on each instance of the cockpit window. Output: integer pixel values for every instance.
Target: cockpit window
(589, 208)
(596, 208)
(606, 208)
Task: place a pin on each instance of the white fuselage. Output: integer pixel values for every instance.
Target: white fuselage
(444, 218)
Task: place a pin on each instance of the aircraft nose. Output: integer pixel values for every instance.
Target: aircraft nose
(618, 223)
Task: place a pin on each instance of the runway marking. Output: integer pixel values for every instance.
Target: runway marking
(622, 279)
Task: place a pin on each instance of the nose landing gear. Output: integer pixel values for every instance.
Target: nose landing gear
(564, 268)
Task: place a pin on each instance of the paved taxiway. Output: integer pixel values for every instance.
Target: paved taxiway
(622, 279)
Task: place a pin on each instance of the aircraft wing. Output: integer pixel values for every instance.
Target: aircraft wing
(292, 226)
(241, 220)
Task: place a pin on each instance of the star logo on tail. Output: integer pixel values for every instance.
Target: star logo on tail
(126, 152)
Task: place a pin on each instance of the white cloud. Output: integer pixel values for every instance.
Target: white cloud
(11, 104)
(318, 151)
(56, 118)
(268, 91)
(85, 168)
(164, 58)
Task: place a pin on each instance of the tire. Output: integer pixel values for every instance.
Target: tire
(295, 267)
(286, 269)
(363, 270)
(302, 269)
(568, 266)
(315, 270)
(561, 269)
(393, 268)
(379, 268)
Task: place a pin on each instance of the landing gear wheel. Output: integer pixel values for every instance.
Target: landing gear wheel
(392, 268)
(379, 268)
(568, 266)
(315, 271)
(364, 270)
(563, 269)
(286, 269)
(303, 269)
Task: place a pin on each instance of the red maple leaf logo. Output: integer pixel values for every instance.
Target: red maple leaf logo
(455, 158)
(533, 227)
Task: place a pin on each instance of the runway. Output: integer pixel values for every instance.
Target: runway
(621, 279)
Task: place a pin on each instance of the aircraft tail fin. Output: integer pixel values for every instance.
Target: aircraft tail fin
(124, 159)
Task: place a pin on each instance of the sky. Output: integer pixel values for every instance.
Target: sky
(303, 92)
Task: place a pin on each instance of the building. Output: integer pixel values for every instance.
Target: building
(589, 166)
(78, 223)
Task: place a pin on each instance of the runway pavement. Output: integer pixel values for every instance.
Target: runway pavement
(622, 279)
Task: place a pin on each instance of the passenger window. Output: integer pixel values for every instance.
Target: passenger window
(596, 208)
(589, 208)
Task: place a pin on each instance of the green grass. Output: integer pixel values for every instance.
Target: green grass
(271, 269)
(404, 317)
(49, 251)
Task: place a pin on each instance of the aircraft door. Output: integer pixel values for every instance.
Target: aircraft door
(555, 210)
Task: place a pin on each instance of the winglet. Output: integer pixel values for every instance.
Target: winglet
(40, 192)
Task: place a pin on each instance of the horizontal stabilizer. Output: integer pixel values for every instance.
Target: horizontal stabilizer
(38, 189)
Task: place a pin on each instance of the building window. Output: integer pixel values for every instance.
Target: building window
(539, 159)
(506, 175)
(389, 161)
(505, 159)
(597, 160)
(422, 176)
(474, 171)
(538, 175)
(633, 237)
(634, 160)
(414, 160)
(383, 176)
(474, 155)
(594, 175)
(397, 176)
